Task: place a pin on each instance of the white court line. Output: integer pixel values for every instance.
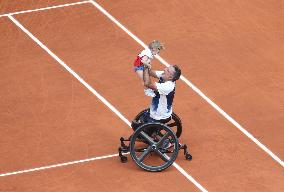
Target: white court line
(70, 70)
(190, 178)
(46, 8)
(191, 85)
(57, 165)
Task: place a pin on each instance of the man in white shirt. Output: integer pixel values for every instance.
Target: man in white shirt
(161, 106)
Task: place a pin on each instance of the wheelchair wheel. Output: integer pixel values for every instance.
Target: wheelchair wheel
(154, 147)
(175, 123)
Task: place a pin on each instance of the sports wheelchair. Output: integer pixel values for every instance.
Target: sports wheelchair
(153, 146)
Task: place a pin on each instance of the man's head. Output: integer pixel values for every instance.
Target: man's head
(171, 73)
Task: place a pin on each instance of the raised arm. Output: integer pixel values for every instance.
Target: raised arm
(145, 60)
(147, 80)
(147, 63)
(152, 73)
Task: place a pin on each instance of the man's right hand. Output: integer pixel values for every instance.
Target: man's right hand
(147, 65)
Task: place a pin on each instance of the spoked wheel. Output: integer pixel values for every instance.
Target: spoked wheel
(154, 147)
(174, 123)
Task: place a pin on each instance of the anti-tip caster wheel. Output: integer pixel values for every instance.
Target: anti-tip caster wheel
(188, 157)
(123, 159)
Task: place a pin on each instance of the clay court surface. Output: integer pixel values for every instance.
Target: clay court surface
(232, 51)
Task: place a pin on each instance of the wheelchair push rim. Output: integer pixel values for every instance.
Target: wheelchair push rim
(148, 150)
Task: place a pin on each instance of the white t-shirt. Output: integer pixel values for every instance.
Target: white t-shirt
(161, 106)
(146, 52)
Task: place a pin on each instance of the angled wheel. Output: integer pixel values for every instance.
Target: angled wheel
(137, 118)
(175, 123)
(154, 152)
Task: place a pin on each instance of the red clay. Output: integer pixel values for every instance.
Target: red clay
(232, 51)
(224, 159)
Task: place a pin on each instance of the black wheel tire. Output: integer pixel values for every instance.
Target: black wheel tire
(176, 125)
(141, 113)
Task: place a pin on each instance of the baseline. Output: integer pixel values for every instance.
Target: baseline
(46, 8)
(57, 165)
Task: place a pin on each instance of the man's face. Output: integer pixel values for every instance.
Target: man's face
(168, 73)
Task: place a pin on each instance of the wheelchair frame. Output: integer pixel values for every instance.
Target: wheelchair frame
(153, 136)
